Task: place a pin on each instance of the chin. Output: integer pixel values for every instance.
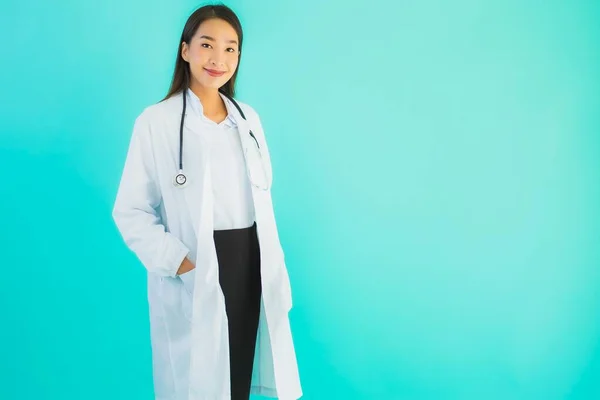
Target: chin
(214, 84)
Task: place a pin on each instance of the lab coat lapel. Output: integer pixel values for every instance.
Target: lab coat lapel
(251, 154)
(242, 124)
(209, 362)
(243, 129)
(196, 156)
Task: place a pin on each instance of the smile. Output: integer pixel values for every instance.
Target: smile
(214, 73)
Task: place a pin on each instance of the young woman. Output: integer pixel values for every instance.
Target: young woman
(194, 205)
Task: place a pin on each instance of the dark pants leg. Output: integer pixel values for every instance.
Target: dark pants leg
(239, 275)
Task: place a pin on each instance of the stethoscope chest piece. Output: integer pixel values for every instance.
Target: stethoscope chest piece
(180, 179)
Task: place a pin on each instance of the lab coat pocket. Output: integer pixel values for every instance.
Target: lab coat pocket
(187, 292)
(256, 167)
(188, 281)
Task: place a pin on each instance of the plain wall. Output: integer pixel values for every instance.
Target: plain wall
(436, 186)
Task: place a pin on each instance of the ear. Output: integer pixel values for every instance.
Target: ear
(184, 51)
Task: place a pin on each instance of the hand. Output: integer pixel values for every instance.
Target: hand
(186, 266)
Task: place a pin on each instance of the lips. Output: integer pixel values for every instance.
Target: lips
(213, 72)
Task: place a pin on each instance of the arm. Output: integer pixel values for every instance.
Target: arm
(135, 214)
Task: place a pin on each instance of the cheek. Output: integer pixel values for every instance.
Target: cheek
(233, 65)
(198, 58)
(196, 55)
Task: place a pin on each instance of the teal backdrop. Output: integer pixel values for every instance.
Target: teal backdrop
(437, 188)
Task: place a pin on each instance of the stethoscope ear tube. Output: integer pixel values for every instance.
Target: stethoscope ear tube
(181, 133)
(180, 179)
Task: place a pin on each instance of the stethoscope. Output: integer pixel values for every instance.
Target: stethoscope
(181, 179)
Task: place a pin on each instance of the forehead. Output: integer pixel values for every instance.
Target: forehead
(217, 28)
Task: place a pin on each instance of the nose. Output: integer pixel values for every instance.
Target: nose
(217, 60)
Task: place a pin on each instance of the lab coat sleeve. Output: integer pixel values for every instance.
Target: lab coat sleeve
(135, 213)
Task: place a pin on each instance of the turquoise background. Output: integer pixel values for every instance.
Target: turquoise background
(437, 187)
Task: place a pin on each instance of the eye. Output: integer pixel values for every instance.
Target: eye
(205, 44)
(231, 50)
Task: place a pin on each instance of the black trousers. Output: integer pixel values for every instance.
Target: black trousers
(238, 254)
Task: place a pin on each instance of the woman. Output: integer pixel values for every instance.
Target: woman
(194, 205)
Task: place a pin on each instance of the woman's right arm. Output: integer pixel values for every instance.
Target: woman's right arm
(135, 214)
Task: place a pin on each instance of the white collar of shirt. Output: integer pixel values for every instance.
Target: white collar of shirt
(196, 106)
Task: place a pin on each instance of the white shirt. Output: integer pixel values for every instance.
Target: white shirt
(233, 204)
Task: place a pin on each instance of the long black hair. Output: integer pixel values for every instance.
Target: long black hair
(181, 76)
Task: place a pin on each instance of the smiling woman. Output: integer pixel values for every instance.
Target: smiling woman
(219, 299)
(208, 57)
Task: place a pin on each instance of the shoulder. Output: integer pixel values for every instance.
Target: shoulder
(249, 111)
(166, 107)
(157, 114)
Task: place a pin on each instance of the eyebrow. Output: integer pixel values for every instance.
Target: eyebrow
(213, 39)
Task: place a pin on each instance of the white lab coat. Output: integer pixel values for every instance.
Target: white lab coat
(162, 224)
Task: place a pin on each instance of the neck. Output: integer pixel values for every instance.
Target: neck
(210, 99)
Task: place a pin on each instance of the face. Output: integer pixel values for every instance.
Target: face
(213, 54)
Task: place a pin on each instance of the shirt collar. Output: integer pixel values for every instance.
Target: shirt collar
(196, 105)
